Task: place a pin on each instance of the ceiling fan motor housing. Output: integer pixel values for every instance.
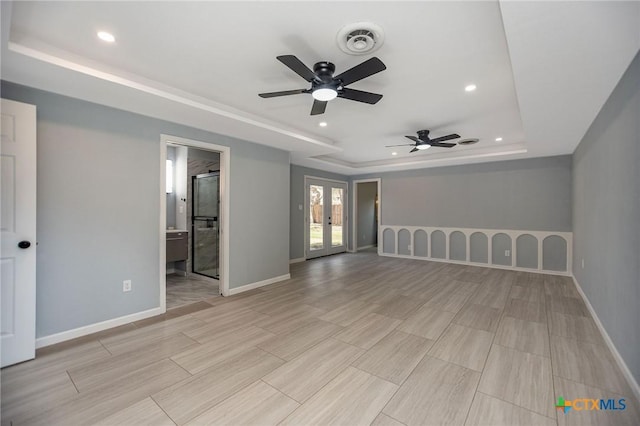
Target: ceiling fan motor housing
(423, 135)
(324, 71)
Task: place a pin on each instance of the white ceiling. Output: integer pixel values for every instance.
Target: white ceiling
(543, 71)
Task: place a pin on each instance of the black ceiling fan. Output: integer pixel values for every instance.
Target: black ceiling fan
(325, 87)
(423, 141)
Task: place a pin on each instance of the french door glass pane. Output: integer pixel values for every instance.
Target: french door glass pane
(316, 224)
(337, 197)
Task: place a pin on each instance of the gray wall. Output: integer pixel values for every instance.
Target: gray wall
(367, 227)
(296, 233)
(606, 218)
(531, 194)
(98, 199)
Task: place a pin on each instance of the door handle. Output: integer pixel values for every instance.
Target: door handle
(24, 244)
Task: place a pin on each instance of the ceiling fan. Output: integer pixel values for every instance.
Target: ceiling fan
(423, 141)
(325, 87)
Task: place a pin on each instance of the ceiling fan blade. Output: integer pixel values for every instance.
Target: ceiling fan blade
(404, 144)
(318, 107)
(359, 95)
(283, 93)
(414, 150)
(365, 69)
(297, 66)
(416, 140)
(443, 145)
(445, 138)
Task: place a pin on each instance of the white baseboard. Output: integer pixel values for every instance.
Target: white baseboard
(351, 251)
(633, 384)
(365, 247)
(482, 265)
(298, 260)
(52, 339)
(258, 284)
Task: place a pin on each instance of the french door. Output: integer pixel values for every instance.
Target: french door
(325, 217)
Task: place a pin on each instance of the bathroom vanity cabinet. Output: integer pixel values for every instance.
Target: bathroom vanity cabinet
(177, 245)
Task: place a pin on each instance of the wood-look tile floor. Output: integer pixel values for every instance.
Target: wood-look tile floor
(183, 290)
(352, 339)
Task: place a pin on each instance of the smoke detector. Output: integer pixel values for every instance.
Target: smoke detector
(361, 38)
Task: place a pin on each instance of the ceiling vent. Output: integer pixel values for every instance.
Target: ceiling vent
(469, 141)
(361, 38)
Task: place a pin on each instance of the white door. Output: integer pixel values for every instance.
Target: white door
(325, 217)
(18, 227)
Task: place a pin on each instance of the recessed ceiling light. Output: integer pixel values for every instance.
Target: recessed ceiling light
(322, 124)
(394, 153)
(498, 139)
(470, 88)
(105, 36)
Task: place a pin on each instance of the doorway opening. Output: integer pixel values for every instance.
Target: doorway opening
(366, 214)
(325, 217)
(194, 252)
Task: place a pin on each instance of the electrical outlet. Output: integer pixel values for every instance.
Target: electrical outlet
(507, 253)
(582, 263)
(126, 285)
(364, 236)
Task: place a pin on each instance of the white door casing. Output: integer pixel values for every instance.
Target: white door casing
(18, 227)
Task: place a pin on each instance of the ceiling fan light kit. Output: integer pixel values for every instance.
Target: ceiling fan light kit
(324, 94)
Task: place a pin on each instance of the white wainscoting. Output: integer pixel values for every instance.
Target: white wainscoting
(540, 237)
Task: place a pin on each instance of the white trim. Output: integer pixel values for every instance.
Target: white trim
(354, 222)
(364, 247)
(162, 250)
(633, 384)
(482, 265)
(489, 233)
(52, 339)
(298, 260)
(328, 180)
(258, 284)
(225, 216)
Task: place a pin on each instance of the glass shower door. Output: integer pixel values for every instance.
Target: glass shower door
(205, 229)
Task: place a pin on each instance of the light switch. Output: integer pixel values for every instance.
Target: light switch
(300, 207)
(181, 209)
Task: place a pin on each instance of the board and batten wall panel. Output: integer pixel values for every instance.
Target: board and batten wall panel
(606, 216)
(98, 218)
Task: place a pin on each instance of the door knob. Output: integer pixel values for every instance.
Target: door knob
(24, 244)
